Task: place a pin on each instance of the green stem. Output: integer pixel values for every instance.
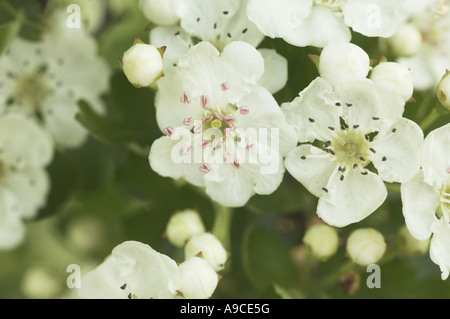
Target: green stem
(431, 117)
(222, 224)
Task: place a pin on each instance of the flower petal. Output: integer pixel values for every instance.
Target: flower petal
(395, 77)
(311, 166)
(397, 156)
(436, 156)
(320, 28)
(373, 18)
(275, 70)
(149, 273)
(176, 41)
(168, 159)
(275, 19)
(439, 248)
(420, 202)
(313, 112)
(12, 229)
(351, 199)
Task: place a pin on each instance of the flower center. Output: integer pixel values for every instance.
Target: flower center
(31, 92)
(445, 198)
(351, 147)
(331, 4)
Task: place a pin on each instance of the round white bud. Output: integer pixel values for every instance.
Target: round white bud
(182, 226)
(142, 64)
(366, 246)
(409, 245)
(443, 91)
(406, 41)
(198, 279)
(162, 12)
(395, 77)
(40, 283)
(208, 247)
(322, 241)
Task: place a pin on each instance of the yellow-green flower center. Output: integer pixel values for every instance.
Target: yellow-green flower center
(350, 148)
(31, 92)
(445, 198)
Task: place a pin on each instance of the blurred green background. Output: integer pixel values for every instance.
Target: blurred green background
(105, 193)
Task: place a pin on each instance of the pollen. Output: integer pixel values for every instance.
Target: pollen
(351, 148)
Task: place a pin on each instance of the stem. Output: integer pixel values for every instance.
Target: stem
(222, 224)
(431, 117)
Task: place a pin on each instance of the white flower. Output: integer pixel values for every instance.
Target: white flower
(357, 123)
(162, 12)
(224, 132)
(46, 79)
(322, 241)
(319, 22)
(133, 270)
(25, 150)
(366, 246)
(218, 22)
(198, 279)
(142, 64)
(426, 198)
(428, 58)
(182, 226)
(209, 247)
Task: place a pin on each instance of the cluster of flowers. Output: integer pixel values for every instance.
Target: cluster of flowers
(40, 85)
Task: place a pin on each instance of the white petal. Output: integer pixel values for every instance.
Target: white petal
(310, 166)
(439, 248)
(162, 12)
(436, 156)
(199, 279)
(423, 76)
(275, 70)
(313, 112)
(343, 62)
(30, 186)
(61, 123)
(150, 274)
(168, 159)
(210, 247)
(277, 18)
(398, 153)
(373, 18)
(12, 229)
(322, 27)
(103, 282)
(176, 43)
(22, 141)
(395, 77)
(264, 113)
(352, 199)
(420, 202)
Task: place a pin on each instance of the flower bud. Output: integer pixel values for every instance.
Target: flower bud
(182, 226)
(366, 246)
(209, 248)
(162, 12)
(143, 64)
(406, 41)
(394, 76)
(322, 241)
(409, 245)
(443, 91)
(40, 283)
(198, 279)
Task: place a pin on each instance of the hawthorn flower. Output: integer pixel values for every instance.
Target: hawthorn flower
(353, 137)
(136, 271)
(209, 247)
(218, 22)
(182, 226)
(319, 22)
(46, 79)
(426, 198)
(25, 151)
(423, 42)
(366, 246)
(223, 131)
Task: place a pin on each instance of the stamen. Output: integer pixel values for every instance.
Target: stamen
(204, 100)
(198, 128)
(342, 177)
(185, 98)
(448, 170)
(349, 104)
(394, 130)
(225, 86)
(204, 143)
(187, 149)
(303, 157)
(338, 103)
(311, 120)
(384, 159)
(331, 128)
(244, 110)
(355, 126)
(229, 35)
(187, 121)
(250, 147)
(207, 118)
(362, 159)
(375, 118)
(225, 12)
(123, 286)
(364, 173)
(355, 166)
(169, 130)
(205, 168)
(244, 31)
(325, 190)
(372, 150)
(236, 164)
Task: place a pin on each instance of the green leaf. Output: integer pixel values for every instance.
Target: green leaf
(266, 259)
(9, 31)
